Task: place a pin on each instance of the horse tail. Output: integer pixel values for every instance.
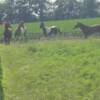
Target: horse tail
(85, 36)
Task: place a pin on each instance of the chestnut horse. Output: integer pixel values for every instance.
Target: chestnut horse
(7, 33)
(20, 32)
(88, 30)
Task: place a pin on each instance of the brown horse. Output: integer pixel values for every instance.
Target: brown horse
(88, 30)
(7, 33)
(20, 32)
(49, 30)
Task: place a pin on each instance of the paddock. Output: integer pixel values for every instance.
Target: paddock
(35, 33)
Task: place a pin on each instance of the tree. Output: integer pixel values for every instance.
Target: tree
(9, 9)
(30, 10)
(23, 11)
(60, 9)
(40, 7)
(66, 9)
(72, 9)
(2, 9)
(90, 8)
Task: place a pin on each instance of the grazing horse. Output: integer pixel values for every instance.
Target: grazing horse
(20, 32)
(49, 30)
(88, 30)
(7, 33)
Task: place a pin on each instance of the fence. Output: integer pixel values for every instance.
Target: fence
(65, 35)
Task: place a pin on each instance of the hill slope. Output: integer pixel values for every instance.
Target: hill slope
(52, 70)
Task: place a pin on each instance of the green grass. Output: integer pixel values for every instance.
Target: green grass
(52, 70)
(1, 77)
(64, 25)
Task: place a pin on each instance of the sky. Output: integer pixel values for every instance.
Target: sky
(50, 0)
(1, 0)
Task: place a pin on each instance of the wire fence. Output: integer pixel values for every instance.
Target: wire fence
(40, 36)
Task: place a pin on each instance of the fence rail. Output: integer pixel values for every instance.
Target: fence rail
(33, 36)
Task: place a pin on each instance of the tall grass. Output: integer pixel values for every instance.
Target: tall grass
(52, 70)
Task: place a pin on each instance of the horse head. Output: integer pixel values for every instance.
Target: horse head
(7, 25)
(77, 25)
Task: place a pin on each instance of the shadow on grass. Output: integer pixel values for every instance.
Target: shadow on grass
(1, 77)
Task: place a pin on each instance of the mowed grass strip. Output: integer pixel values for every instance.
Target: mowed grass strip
(52, 70)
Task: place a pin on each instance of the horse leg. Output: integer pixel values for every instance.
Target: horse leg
(59, 31)
(9, 39)
(45, 32)
(49, 34)
(15, 35)
(25, 36)
(16, 38)
(85, 36)
(5, 39)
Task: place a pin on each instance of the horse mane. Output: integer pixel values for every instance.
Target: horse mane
(83, 25)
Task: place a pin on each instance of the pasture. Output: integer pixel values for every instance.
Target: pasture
(66, 26)
(51, 70)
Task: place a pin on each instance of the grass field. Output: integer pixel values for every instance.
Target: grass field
(64, 25)
(51, 70)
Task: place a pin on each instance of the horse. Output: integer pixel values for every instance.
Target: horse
(87, 30)
(20, 33)
(7, 33)
(47, 31)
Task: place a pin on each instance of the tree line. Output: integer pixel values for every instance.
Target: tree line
(32, 10)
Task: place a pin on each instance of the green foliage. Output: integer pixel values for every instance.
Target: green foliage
(90, 8)
(29, 10)
(52, 70)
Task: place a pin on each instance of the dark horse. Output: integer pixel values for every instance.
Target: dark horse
(20, 32)
(7, 33)
(49, 30)
(88, 30)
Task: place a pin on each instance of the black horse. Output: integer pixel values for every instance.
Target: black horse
(87, 30)
(7, 33)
